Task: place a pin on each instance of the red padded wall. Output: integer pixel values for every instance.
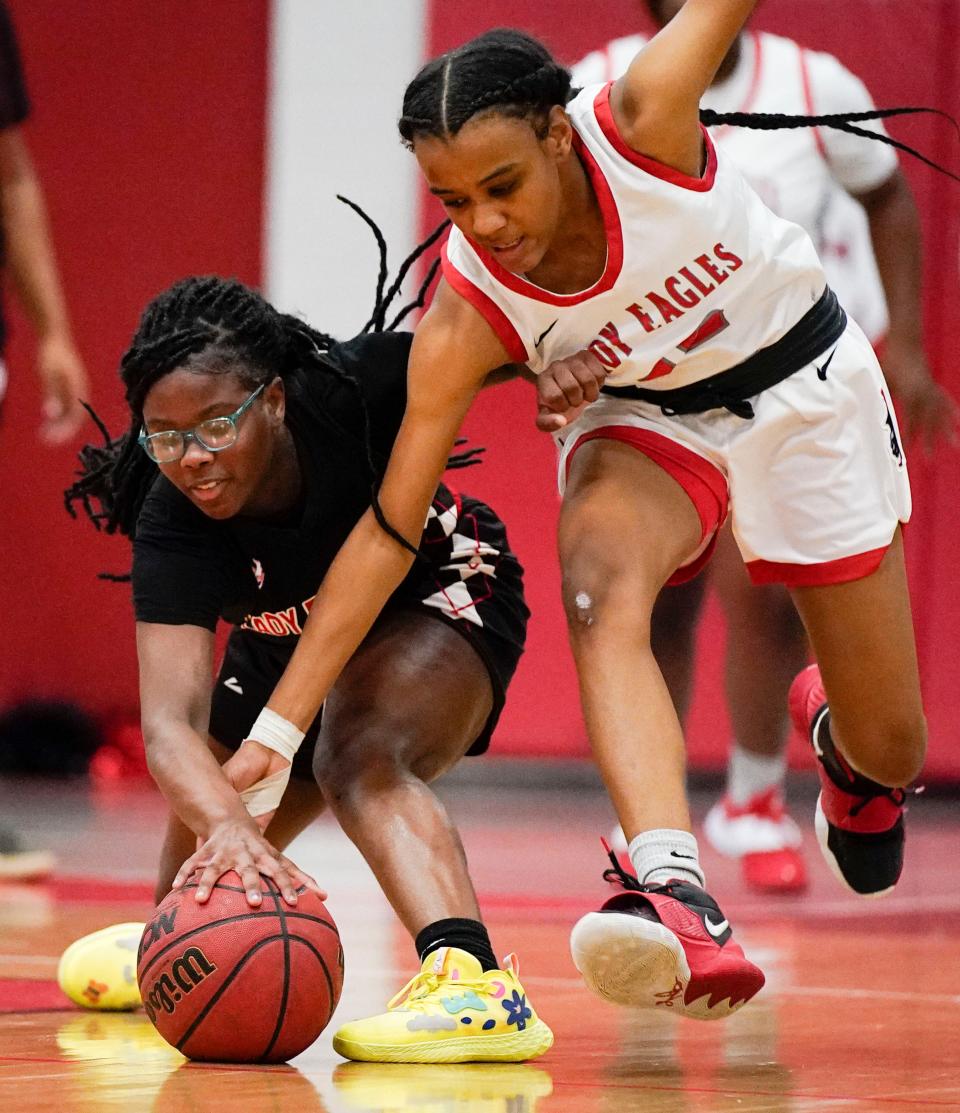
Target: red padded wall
(149, 133)
(148, 130)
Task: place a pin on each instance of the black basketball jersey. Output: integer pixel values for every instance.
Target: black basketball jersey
(262, 575)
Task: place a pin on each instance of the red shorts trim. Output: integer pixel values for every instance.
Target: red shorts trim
(841, 571)
(703, 482)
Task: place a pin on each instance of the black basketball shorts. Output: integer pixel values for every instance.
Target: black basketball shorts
(472, 582)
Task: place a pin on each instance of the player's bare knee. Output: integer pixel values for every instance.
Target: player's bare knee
(901, 759)
(605, 599)
(890, 753)
(349, 771)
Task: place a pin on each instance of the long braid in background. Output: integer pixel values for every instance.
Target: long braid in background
(223, 326)
(513, 74)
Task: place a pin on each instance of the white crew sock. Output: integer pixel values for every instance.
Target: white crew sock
(749, 774)
(663, 854)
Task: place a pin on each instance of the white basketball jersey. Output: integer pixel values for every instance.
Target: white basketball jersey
(806, 175)
(699, 272)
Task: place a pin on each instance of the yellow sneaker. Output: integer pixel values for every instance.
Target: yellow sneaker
(451, 1012)
(466, 1087)
(99, 971)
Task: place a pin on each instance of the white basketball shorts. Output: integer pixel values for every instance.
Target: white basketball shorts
(815, 483)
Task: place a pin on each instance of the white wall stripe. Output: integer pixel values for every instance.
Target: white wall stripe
(337, 75)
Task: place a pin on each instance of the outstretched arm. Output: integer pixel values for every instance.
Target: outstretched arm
(656, 103)
(175, 670)
(453, 352)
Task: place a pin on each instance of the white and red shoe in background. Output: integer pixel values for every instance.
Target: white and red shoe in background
(764, 837)
(761, 833)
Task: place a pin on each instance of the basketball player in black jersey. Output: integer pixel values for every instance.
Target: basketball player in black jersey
(254, 447)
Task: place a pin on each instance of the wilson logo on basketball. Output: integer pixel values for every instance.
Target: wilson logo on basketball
(157, 928)
(186, 973)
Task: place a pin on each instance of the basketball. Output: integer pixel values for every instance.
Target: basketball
(227, 982)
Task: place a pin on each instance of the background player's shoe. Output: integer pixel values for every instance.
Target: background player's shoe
(465, 1087)
(859, 823)
(99, 971)
(451, 1012)
(666, 947)
(19, 863)
(764, 837)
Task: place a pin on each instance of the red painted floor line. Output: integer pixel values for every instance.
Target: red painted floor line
(29, 995)
(786, 1093)
(98, 890)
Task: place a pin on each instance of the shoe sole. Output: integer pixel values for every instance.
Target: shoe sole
(731, 991)
(508, 1047)
(629, 960)
(822, 827)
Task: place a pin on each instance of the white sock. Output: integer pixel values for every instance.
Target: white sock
(749, 774)
(663, 854)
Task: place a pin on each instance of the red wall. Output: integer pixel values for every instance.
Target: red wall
(149, 133)
(148, 130)
(918, 67)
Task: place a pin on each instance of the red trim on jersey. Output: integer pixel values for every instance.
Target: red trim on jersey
(753, 89)
(750, 98)
(614, 236)
(486, 307)
(808, 102)
(703, 184)
(840, 571)
(703, 482)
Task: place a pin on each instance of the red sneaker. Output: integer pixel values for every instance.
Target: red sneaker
(859, 823)
(663, 946)
(764, 837)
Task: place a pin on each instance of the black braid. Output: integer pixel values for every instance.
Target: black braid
(515, 74)
(221, 325)
(841, 121)
(503, 69)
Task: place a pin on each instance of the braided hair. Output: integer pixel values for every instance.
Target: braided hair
(224, 326)
(505, 70)
(510, 72)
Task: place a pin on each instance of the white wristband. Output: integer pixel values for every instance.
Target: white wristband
(276, 733)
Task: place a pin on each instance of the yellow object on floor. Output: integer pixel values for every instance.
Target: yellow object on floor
(99, 971)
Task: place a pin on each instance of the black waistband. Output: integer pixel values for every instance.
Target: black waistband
(821, 326)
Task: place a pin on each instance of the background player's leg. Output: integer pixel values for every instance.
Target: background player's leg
(673, 631)
(406, 708)
(871, 738)
(302, 803)
(766, 648)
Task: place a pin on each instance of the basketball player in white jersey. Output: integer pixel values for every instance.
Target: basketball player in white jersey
(609, 225)
(853, 200)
